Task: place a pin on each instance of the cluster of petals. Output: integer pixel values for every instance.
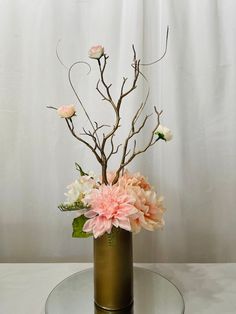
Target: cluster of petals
(78, 189)
(130, 204)
(96, 52)
(110, 206)
(149, 206)
(150, 211)
(66, 111)
(164, 133)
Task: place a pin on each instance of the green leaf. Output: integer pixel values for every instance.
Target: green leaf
(74, 206)
(78, 224)
(79, 168)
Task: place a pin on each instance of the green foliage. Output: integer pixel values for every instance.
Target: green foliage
(79, 168)
(78, 224)
(74, 206)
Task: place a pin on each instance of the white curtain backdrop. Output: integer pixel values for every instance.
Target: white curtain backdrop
(194, 85)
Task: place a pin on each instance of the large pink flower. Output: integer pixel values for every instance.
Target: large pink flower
(136, 180)
(129, 179)
(110, 206)
(150, 211)
(149, 206)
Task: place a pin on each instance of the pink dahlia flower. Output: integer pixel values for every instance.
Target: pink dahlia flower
(149, 206)
(128, 179)
(150, 211)
(110, 206)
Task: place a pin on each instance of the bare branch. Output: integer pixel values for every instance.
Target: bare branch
(113, 149)
(135, 143)
(136, 117)
(122, 95)
(106, 86)
(98, 127)
(76, 94)
(50, 107)
(150, 143)
(136, 75)
(117, 148)
(58, 56)
(126, 154)
(88, 133)
(100, 92)
(99, 148)
(123, 85)
(70, 125)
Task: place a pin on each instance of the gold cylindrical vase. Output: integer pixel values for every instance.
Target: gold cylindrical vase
(113, 270)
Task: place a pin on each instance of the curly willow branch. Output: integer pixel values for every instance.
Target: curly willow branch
(163, 55)
(58, 55)
(77, 96)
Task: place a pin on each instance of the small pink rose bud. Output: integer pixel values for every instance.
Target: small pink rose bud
(66, 111)
(96, 52)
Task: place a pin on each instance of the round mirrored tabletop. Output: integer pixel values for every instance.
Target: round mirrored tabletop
(153, 294)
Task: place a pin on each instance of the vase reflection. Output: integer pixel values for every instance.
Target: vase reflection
(98, 310)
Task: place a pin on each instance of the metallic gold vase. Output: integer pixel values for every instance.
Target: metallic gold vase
(113, 270)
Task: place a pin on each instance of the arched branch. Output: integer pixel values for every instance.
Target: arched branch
(163, 55)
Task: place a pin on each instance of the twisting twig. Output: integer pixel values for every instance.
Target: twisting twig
(122, 96)
(98, 147)
(106, 86)
(88, 133)
(117, 106)
(163, 55)
(150, 143)
(50, 107)
(70, 125)
(58, 56)
(77, 96)
(113, 149)
(98, 127)
(101, 93)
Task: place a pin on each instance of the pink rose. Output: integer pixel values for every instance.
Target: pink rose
(96, 52)
(66, 111)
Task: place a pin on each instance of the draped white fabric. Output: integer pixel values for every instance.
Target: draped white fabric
(194, 85)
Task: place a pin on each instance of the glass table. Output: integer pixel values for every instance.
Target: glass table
(153, 294)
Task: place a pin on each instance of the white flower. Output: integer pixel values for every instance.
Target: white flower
(79, 189)
(66, 111)
(164, 133)
(96, 52)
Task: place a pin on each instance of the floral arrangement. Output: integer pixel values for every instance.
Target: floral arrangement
(119, 198)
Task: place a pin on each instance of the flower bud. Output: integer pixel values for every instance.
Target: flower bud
(164, 133)
(96, 52)
(66, 111)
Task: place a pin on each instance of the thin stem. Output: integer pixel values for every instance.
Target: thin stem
(163, 55)
(150, 143)
(77, 96)
(71, 128)
(58, 56)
